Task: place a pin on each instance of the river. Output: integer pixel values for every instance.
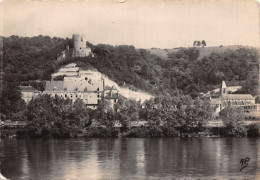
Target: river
(129, 158)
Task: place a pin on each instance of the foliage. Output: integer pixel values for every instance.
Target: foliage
(170, 131)
(100, 132)
(233, 118)
(253, 130)
(155, 131)
(56, 116)
(103, 115)
(137, 132)
(127, 111)
(10, 100)
(179, 111)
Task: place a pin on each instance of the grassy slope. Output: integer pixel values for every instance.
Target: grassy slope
(206, 51)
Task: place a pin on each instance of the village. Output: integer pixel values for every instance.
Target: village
(92, 87)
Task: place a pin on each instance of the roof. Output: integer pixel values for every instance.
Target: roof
(238, 97)
(237, 103)
(54, 85)
(26, 88)
(215, 101)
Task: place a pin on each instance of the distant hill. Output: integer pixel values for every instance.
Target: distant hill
(205, 51)
(156, 71)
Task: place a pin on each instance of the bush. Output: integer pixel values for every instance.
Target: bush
(94, 132)
(137, 132)
(155, 131)
(233, 132)
(170, 132)
(253, 130)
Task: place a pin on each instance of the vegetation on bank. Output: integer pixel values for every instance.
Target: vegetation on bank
(165, 116)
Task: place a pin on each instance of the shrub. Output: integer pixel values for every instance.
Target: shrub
(137, 132)
(94, 132)
(155, 131)
(170, 131)
(233, 132)
(253, 130)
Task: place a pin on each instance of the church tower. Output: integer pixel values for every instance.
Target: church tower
(223, 88)
(223, 91)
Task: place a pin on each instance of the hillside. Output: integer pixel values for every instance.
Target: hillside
(188, 71)
(204, 52)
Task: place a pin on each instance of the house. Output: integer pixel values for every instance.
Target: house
(90, 94)
(28, 92)
(111, 95)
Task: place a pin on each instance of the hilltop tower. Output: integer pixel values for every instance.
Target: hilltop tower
(80, 46)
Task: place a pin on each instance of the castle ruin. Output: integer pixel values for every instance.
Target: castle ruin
(80, 46)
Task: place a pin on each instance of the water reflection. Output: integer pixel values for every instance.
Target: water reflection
(131, 158)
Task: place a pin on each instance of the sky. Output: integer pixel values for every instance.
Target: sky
(142, 23)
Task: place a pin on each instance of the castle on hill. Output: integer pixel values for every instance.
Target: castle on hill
(80, 48)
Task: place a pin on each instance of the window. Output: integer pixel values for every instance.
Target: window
(65, 95)
(98, 96)
(81, 39)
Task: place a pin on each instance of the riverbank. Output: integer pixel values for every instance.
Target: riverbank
(140, 132)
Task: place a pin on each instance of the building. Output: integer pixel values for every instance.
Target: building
(246, 101)
(111, 95)
(28, 92)
(85, 84)
(61, 56)
(89, 92)
(80, 46)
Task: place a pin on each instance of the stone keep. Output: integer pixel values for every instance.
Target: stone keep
(80, 46)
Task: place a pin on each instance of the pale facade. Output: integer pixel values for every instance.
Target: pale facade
(28, 92)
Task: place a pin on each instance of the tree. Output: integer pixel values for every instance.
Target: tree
(56, 116)
(194, 43)
(127, 111)
(203, 43)
(10, 99)
(233, 118)
(195, 115)
(198, 43)
(104, 115)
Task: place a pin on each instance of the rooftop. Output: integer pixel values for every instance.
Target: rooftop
(238, 97)
(26, 88)
(215, 101)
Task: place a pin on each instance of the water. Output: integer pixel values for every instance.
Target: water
(128, 158)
